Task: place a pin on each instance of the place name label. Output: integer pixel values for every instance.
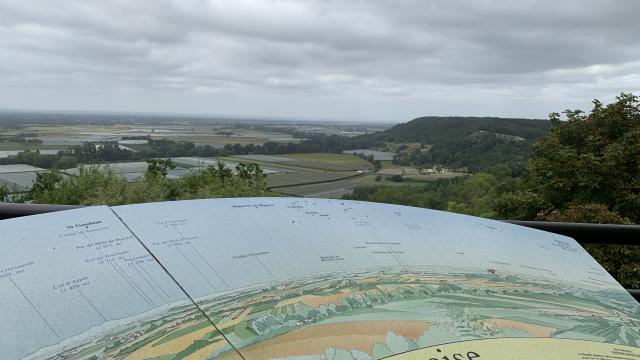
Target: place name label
(13, 270)
(331, 258)
(250, 254)
(84, 225)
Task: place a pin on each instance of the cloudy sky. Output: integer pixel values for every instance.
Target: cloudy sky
(318, 59)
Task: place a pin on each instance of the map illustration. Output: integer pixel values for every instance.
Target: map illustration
(289, 278)
(78, 285)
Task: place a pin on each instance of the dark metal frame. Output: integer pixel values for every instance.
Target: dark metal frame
(13, 210)
(606, 234)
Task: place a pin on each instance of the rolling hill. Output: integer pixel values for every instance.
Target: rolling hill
(471, 143)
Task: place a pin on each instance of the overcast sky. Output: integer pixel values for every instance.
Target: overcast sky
(344, 59)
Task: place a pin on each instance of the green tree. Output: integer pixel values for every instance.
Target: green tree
(90, 186)
(586, 169)
(474, 195)
(3, 192)
(65, 162)
(159, 167)
(377, 165)
(44, 183)
(94, 186)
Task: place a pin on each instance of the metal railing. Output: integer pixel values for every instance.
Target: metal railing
(606, 234)
(11, 210)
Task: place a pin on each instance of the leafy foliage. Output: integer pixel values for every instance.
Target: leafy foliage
(474, 195)
(4, 191)
(159, 167)
(93, 186)
(585, 169)
(475, 144)
(471, 153)
(433, 129)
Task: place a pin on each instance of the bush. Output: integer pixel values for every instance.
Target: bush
(94, 186)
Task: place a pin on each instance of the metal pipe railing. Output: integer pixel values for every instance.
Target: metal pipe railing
(12, 210)
(587, 233)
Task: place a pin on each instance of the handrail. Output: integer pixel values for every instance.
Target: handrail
(587, 233)
(12, 210)
(609, 234)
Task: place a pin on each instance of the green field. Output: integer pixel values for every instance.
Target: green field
(390, 165)
(326, 161)
(323, 169)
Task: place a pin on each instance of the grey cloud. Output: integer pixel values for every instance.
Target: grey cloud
(319, 58)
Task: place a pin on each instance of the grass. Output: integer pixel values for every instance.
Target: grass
(329, 161)
(341, 159)
(293, 165)
(371, 178)
(390, 165)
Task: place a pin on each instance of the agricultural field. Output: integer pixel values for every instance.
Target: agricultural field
(329, 162)
(221, 140)
(283, 180)
(311, 175)
(329, 175)
(9, 146)
(323, 175)
(330, 190)
(59, 137)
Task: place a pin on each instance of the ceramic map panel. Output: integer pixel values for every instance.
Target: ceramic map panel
(330, 279)
(303, 279)
(78, 285)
